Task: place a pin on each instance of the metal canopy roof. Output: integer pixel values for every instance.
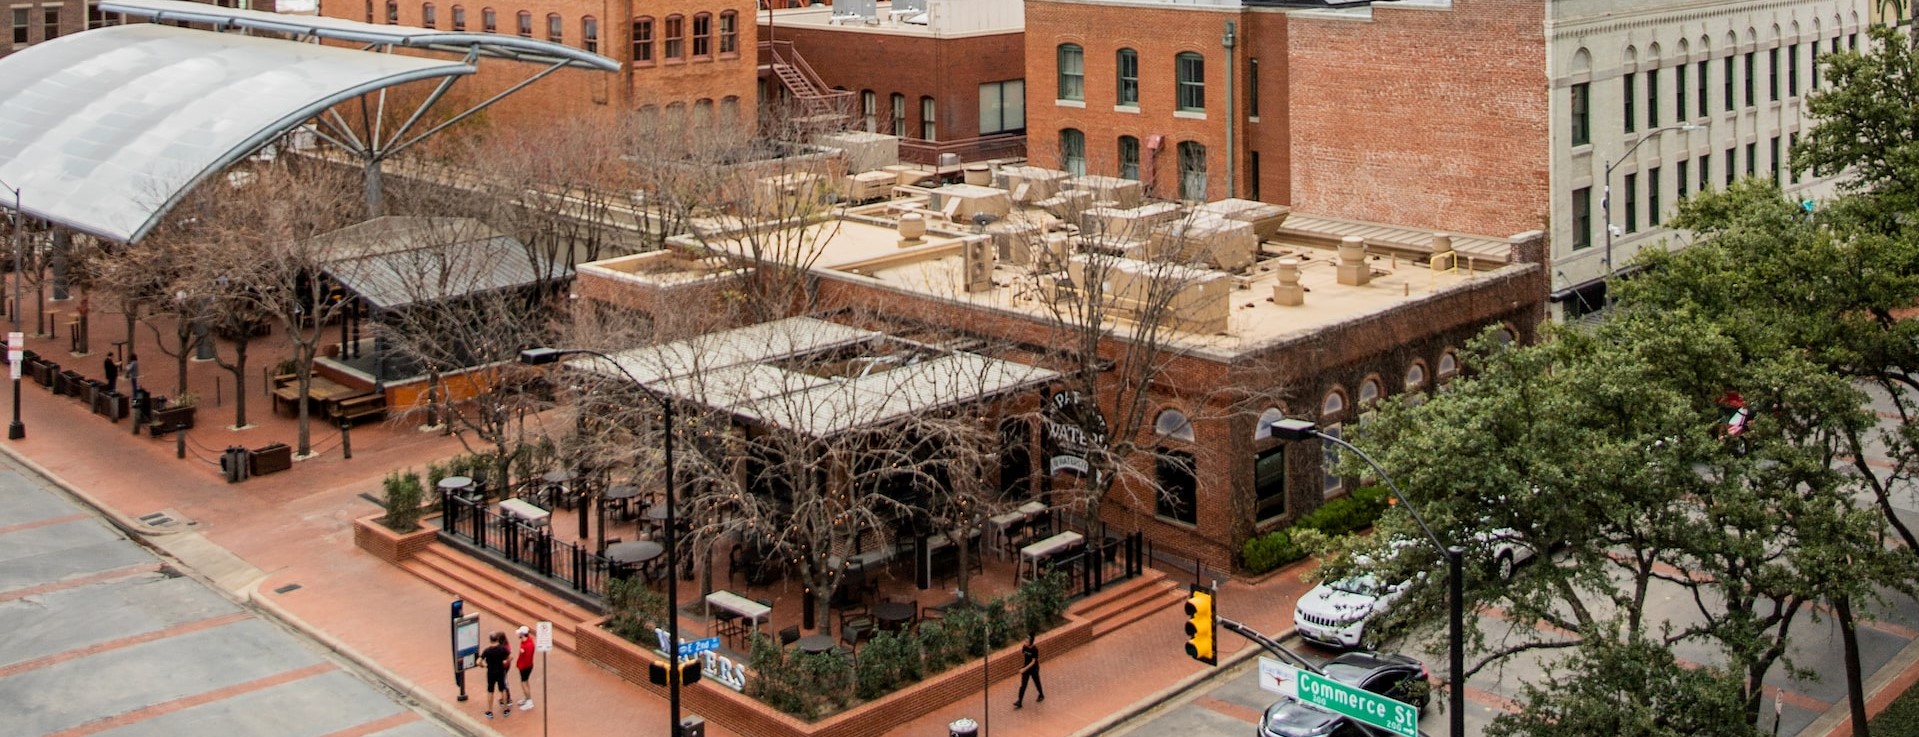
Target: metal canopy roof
(341, 29)
(395, 262)
(104, 131)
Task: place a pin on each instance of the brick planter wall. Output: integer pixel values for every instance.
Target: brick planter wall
(392, 547)
(745, 715)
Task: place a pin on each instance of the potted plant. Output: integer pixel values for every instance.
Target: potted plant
(176, 415)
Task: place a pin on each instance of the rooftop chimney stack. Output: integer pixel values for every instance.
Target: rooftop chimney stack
(1288, 292)
(1353, 270)
(1443, 256)
(912, 229)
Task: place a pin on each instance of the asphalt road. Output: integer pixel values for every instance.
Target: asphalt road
(104, 638)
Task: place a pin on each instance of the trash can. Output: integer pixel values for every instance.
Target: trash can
(692, 726)
(234, 463)
(963, 728)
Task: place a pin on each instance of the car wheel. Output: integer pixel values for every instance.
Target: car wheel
(1505, 566)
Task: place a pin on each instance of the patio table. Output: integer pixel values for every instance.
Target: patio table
(816, 644)
(1031, 555)
(894, 615)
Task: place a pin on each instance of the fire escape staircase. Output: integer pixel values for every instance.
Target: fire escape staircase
(819, 105)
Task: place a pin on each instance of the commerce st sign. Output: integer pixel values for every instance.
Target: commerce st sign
(1392, 715)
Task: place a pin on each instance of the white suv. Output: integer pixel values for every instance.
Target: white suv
(1336, 612)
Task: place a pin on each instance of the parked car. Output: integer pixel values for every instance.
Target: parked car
(1336, 612)
(1509, 551)
(1393, 675)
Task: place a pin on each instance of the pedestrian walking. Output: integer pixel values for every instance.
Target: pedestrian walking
(496, 657)
(132, 370)
(526, 668)
(1029, 672)
(113, 375)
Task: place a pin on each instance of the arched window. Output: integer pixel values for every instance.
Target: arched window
(1072, 72)
(870, 110)
(428, 17)
(1505, 336)
(459, 18)
(1190, 69)
(702, 35)
(392, 12)
(899, 114)
(703, 112)
(590, 34)
(1178, 477)
(1173, 424)
(555, 27)
(1129, 157)
(675, 37)
(1332, 405)
(1448, 365)
(1192, 170)
(730, 110)
(642, 42)
(1416, 376)
(1263, 428)
(489, 20)
(1368, 392)
(526, 24)
(1072, 151)
(729, 33)
(1126, 73)
(1331, 484)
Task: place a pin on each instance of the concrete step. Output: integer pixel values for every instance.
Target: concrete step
(1132, 601)
(498, 592)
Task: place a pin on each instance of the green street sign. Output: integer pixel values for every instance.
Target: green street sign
(1392, 715)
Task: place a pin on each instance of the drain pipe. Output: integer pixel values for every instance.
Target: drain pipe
(1227, 41)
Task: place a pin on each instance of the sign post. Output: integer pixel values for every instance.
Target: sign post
(466, 644)
(543, 643)
(1307, 687)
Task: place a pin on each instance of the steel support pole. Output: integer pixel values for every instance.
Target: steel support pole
(1456, 707)
(672, 567)
(17, 430)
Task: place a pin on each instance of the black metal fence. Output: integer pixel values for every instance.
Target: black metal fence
(1111, 560)
(531, 548)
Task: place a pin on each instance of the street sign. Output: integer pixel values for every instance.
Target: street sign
(694, 647)
(466, 642)
(1392, 715)
(16, 352)
(1278, 677)
(543, 637)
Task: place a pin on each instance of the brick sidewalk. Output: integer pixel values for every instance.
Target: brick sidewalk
(294, 529)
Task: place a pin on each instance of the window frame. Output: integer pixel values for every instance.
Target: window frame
(673, 39)
(524, 23)
(1581, 114)
(489, 19)
(898, 101)
(1269, 501)
(729, 30)
(702, 34)
(640, 46)
(1705, 88)
(1126, 77)
(1652, 98)
(1193, 181)
(1582, 217)
(1072, 151)
(555, 28)
(590, 33)
(1189, 75)
(1679, 92)
(1178, 501)
(1628, 95)
(429, 16)
(1070, 62)
(1631, 190)
(1001, 106)
(929, 118)
(1129, 163)
(1653, 183)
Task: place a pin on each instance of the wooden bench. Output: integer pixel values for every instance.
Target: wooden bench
(365, 405)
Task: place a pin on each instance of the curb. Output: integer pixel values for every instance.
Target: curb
(1892, 679)
(1169, 693)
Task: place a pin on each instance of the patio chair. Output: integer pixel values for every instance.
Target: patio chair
(735, 562)
(789, 635)
(855, 632)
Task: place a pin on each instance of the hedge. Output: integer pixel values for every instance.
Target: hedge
(1342, 516)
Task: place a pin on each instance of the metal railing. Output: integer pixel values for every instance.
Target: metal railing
(1099, 563)
(529, 548)
(992, 146)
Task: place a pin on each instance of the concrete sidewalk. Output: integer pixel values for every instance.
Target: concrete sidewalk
(285, 543)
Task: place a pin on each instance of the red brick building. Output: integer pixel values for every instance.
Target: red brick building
(949, 81)
(29, 23)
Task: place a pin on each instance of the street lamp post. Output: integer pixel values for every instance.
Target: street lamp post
(1455, 556)
(1605, 191)
(543, 356)
(17, 429)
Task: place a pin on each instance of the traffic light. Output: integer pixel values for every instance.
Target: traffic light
(656, 672)
(1202, 621)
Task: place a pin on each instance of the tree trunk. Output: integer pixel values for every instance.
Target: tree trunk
(185, 332)
(1855, 689)
(304, 354)
(240, 381)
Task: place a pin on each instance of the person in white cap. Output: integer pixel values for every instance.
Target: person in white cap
(526, 667)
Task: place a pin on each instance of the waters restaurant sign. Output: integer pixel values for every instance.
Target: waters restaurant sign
(1074, 428)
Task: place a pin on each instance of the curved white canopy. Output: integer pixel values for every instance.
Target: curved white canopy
(104, 131)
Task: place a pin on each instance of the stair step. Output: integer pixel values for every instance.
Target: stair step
(490, 577)
(1146, 607)
(495, 591)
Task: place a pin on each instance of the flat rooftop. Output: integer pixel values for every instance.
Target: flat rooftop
(937, 19)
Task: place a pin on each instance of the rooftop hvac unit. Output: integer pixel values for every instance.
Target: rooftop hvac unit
(913, 5)
(850, 9)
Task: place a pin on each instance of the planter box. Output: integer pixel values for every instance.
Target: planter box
(170, 419)
(743, 714)
(270, 458)
(395, 547)
(112, 405)
(72, 383)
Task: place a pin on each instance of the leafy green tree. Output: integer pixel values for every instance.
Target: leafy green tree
(1584, 696)
(1867, 128)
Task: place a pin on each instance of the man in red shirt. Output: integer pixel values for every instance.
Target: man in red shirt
(525, 665)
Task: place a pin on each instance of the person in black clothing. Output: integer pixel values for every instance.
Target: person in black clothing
(113, 375)
(496, 657)
(1029, 672)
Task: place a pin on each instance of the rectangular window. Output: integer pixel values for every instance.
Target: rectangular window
(1632, 203)
(52, 19)
(1792, 144)
(1192, 171)
(526, 24)
(1127, 68)
(1792, 70)
(1002, 107)
(702, 36)
(590, 34)
(22, 19)
(1752, 159)
(1072, 152)
(643, 42)
(1627, 95)
(1652, 99)
(870, 109)
(1681, 180)
(489, 19)
(1705, 172)
(1581, 115)
(1129, 157)
(1191, 71)
(1705, 83)
(1752, 78)
(929, 117)
(1252, 175)
(675, 38)
(555, 28)
(429, 16)
(1072, 73)
(1653, 183)
(1772, 78)
(1679, 92)
(1778, 167)
(1732, 165)
(1852, 42)
(1582, 218)
(1814, 52)
(1179, 485)
(1252, 88)
(899, 115)
(1730, 97)
(1332, 484)
(1269, 483)
(729, 33)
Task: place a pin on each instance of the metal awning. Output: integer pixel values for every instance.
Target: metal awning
(340, 29)
(396, 262)
(104, 131)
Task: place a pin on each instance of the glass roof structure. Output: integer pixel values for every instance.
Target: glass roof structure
(104, 131)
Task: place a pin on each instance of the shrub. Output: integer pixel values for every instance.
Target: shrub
(886, 663)
(937, 647)
(1351, 513)
(403, 494)
(1040, 603)
(1269, 551)
(633, 610)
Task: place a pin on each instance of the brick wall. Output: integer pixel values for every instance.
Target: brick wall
(1433, 118)
(950, 70)
(72, 18)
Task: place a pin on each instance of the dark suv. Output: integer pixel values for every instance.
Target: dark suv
(1395, 676)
